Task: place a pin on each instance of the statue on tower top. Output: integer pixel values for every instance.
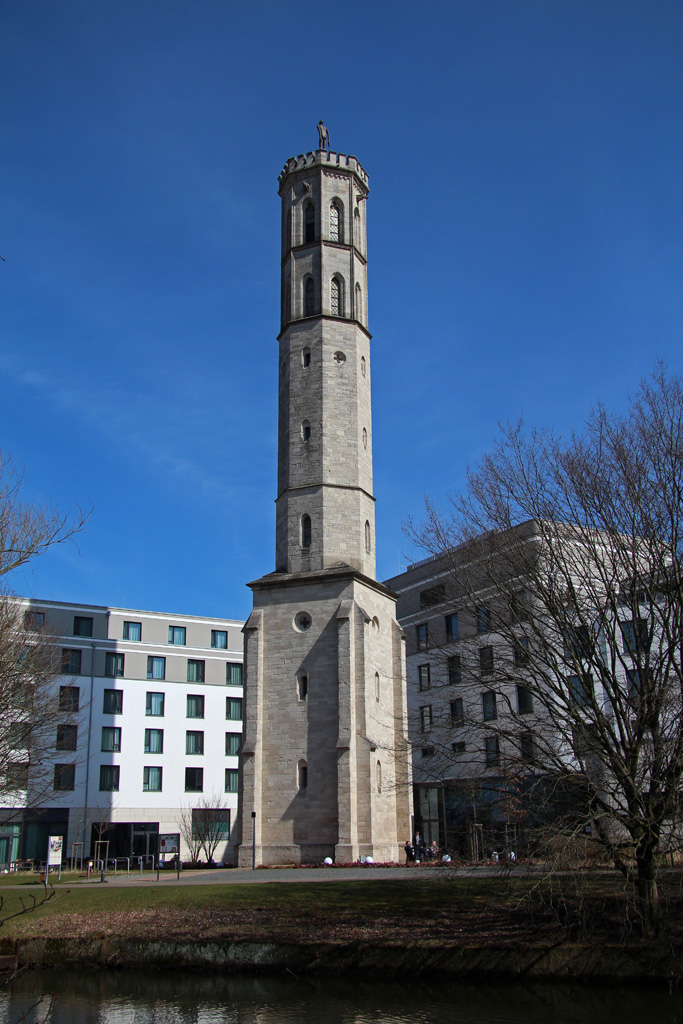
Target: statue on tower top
(323, 136)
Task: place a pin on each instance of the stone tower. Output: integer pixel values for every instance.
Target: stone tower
(325, 721)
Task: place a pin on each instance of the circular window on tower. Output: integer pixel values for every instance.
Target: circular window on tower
(303, 621)
(339, 357)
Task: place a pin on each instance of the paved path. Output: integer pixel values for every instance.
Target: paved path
(237, 876)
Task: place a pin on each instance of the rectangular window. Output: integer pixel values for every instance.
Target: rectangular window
(459, 748)
(154, 706)
(111, 739)
(518, 607)
(16, 776)
(422, 636)
(457, 712)
(426, 718)
(233, 674)
(211, 822)
(219, 639)
(176, 635)
(34, 620)
(432, 596)
(18, 735)
(132, 631)
(113, 702)
(577, 643)
(195, 705)
(233, 741)
(521, 652)
(428, 751)
(233, 709)
(82, 625)
(194, 742)
(483, 619)
(486, 660)
(488, 703)
(424, 676)
(194, 780)
(232, 780)
(527, 747)
(454, 671)
(452, 627)
(151, 779)
(492, 751)
(580, 689)
(113, 664)
(195, 671)
(156, 667)
(65, 777)
(634, 687)
(525, 701)
(71, 662)
(109, 778)
(154, 741)
(67, 737)
(635, 637)
(69, 698)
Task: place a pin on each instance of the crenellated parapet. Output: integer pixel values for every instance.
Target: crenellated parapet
(326, 159)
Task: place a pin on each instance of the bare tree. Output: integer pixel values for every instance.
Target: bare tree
(565, 558)
(205, 826)
(35, 718)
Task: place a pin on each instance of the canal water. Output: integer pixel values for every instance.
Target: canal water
(126, 997)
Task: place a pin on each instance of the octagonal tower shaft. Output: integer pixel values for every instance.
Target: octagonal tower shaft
(325, 506)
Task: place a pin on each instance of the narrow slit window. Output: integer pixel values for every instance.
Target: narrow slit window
(335, 222)
(309, 223)
(309, 297)
(336, 297)
(305, 531)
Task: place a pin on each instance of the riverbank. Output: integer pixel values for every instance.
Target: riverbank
(455, 927)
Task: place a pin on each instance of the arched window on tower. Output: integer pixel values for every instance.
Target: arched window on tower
(379, 776)
(337, 296)
(368, 538)
(309, 297)
(336, 221)
(359, 303)
(302, 776)
(356, 229)
(305, 531)
(309, 222)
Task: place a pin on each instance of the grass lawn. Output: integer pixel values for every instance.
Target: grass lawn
(453, 911)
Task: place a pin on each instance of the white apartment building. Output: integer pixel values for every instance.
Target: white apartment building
(153, 729)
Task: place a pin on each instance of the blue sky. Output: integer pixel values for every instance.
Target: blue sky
(524, 235)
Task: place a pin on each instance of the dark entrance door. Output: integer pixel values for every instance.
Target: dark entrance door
(146, 839)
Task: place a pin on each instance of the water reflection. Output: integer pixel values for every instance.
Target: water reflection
(124, 997)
